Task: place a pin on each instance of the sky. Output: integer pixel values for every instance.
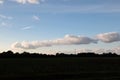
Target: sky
(51, 26)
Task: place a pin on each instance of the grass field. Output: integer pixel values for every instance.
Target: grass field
(62, 68)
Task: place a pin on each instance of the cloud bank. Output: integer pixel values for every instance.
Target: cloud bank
(68, 40)
(109, 37)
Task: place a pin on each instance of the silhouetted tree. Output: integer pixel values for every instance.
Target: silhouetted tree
(10, 54)
(7, 54)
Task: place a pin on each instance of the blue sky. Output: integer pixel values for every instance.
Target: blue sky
(36, 25)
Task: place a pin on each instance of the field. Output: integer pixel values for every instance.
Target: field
(60, 68)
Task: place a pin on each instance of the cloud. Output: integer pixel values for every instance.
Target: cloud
(3, 24)
(1, 1)
(71, 39)
(100, 50)
(5, 17)
(26, 28)
(6, 24)
(28, 1)
(109, 37)
(36, 18)
(67, 40)
(116, 49)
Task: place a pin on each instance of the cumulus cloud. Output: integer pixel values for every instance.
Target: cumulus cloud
(71, 39)
(67, 40)
(29, 1)
(109, 37)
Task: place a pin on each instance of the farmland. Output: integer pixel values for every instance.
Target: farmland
(60, 68)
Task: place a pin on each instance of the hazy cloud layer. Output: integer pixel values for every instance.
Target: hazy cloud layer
(109, 37)
(108, 7)
(69, 40)
(5, 17)
(3, 24)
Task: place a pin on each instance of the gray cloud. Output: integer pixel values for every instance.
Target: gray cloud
(67, 40)
(109, 37)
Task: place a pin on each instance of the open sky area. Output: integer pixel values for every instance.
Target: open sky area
(50, 26)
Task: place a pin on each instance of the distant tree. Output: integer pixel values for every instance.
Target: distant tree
(110, 54)
(7, 54)
(10, 54)
(61, 54)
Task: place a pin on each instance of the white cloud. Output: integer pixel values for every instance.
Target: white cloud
(28, 1)
(36, 18)
(67, 40)
(5, 17)
(26, 28)
(71, 39)
(109, 37)
(1, 1)
(21, 1)
(5, 22)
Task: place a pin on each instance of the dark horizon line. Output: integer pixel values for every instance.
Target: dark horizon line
(11, 54)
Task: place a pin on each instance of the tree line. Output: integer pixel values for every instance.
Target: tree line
(11, 54)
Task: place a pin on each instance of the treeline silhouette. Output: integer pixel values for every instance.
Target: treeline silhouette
(11, 54)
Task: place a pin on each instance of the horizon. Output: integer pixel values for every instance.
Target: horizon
(51, 26)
